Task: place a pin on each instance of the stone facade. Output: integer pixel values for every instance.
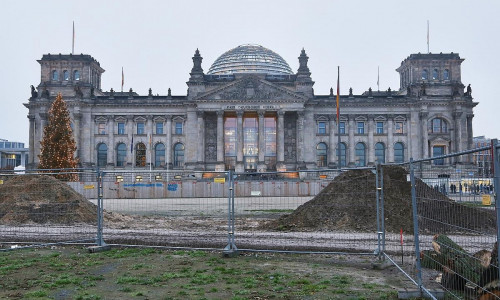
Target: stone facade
(249, 121)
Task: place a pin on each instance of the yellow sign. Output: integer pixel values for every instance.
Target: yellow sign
(219, 180)
(89, 187)
(1, 181)
(486, 200)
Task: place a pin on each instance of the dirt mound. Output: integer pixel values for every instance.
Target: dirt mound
(348, 203)
(43, 199)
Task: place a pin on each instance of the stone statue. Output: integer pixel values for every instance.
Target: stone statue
(169, 93)
(150, 94)
(111, 93)
(469, 91)
(34, 93)
(92, 95)
(389, 91)
(130, 93)
(370, 92)
(331, 92)
(350, 91)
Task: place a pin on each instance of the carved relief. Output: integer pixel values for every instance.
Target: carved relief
(210, 138)
(251, 88)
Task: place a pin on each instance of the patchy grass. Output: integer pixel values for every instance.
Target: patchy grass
(160, 274)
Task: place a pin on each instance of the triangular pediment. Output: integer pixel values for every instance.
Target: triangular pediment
(250, 88)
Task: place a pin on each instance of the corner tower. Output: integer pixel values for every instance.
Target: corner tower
(431, 75)
(71, 75)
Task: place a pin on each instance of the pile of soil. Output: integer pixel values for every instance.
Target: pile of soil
(349, 203)
(43, 199)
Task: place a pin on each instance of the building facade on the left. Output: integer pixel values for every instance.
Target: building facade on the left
(12, 154)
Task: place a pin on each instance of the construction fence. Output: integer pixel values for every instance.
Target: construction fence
(428, 217)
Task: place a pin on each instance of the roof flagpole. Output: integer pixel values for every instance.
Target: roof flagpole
(73, 43)
(428, 51)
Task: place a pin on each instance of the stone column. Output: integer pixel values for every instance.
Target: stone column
(470, 143)
(458, 134)
(332, 157)
(300, 139)
(31, 142)
(262, 142)
(239, 144)
(220, 137)
(130, 134)
(201, 136)
(281, 136)
(149, 146)
(77, 116)
(425, 135)
(408, 134)
(43, 119)
(352, 156)
(371, 145)
(390, 139)
(168, 146)
(111, 140)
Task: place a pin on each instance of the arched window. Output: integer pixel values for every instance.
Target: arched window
(55, 75)
(343, 155)
(360, 155)
(121, 155)
(159, 155)
(446, 74)
(425, 76)
(102, 155)
(76, 75)
(399, 153)
(140, 155)
(437, 125)
(178, 155)
(380, 152)
(435, 74)
(321, 155)
(65, 75)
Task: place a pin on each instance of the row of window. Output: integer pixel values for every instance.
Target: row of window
(435, 74)
(140, 128)
(360, 154)
(436, 125)
(65, 75)
(140, 155)
(361, 127)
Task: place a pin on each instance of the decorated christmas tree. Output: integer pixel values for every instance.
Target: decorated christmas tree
(58, 145)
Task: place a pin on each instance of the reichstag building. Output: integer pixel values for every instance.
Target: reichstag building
(251, 112)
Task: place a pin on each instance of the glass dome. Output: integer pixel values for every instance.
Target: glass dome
(250, 59)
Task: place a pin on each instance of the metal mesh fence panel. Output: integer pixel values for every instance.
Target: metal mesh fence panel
(166, 208)
(47, 207)
(455, 226)
(312, 211)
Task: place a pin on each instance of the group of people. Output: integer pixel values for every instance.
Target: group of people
(472, 188)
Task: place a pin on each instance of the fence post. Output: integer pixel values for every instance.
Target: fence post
(377, 195)
(230, 249)
(496, 186)
(415, 224)
(99, 241)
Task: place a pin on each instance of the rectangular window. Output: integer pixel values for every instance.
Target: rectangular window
(342, 128)
(140, 128)
(361, 127)
(121, 128)
(438, 151)
(321, 127)
(159, 127)
(399, 127)
(101, 128)
(380, 127)
(178, 127)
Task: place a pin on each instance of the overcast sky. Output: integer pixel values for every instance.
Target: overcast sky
(154, 42)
